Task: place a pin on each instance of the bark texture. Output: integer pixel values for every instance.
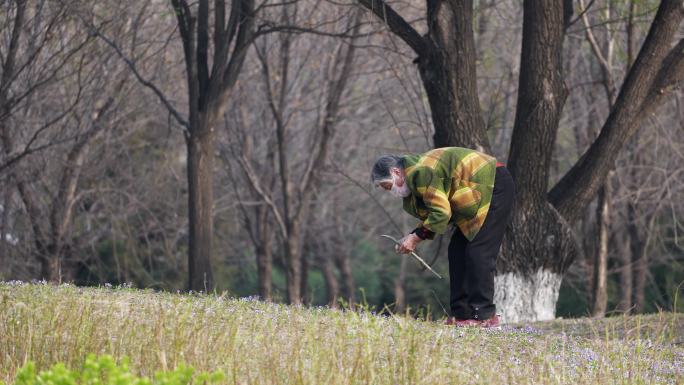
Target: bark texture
(200, 201)
(453, 93)
(539, 242)
(208, 90)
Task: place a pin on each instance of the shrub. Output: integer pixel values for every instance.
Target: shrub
(104, 370)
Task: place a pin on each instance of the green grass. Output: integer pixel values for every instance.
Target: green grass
(253, 342)
(104, 370)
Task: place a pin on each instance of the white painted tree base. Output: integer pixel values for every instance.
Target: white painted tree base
(521, 298)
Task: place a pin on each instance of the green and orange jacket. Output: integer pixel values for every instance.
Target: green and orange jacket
(450, 185)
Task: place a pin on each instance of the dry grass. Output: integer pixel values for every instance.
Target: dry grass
(261, 343)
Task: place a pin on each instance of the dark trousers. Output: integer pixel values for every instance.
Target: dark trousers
(472, 264)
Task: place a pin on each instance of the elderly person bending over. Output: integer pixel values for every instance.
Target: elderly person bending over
(470, 190)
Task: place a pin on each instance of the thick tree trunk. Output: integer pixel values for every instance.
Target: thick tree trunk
(539, 244)
(208, 90)
(534, 255)
(200, 147)
(527, 296)
(449, 76)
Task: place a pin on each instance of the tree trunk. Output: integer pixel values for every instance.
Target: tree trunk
(54, 265)
(208, 91)
(539, 244)
(640, 271)
(342, 259)
(529, 296)
(625, 261)
(589, 244)
(200, 146)
(600, 276)
(5, 266)
(639, 260)
(264, 253)
(449, 76)
(304, 282)
(264, 258)
(294, 265)
(345, 269)
(264, 271)
(331, 285)
(400, 288)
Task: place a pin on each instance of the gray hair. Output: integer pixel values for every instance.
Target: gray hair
(381, 168)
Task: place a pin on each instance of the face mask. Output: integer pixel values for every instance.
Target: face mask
(399, 192)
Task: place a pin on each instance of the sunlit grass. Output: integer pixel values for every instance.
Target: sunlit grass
(254, 342)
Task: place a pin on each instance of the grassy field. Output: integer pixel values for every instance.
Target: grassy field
(261, 343)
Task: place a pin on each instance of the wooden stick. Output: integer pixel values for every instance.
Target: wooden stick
(416, 256)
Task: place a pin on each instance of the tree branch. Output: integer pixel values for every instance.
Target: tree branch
(8, 64)
(604, 62)
(397, 25)
(581, 183)
(219, 24)
(203, 48)
(335, 90)
(254, 182)
(185, 125)
(669, 78)
(568, 14)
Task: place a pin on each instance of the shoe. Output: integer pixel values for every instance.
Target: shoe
(458, 322)
(492, 322)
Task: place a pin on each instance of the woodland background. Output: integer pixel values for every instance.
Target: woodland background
(143, 145)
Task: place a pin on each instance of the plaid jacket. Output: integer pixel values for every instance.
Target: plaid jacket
(450, 185)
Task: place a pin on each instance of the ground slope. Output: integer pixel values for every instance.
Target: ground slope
(261, 343)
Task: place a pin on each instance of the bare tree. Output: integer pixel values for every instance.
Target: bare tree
(295, 197)
(36, 59)
(209, 81)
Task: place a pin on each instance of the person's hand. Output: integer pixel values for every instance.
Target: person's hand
(408, 244)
